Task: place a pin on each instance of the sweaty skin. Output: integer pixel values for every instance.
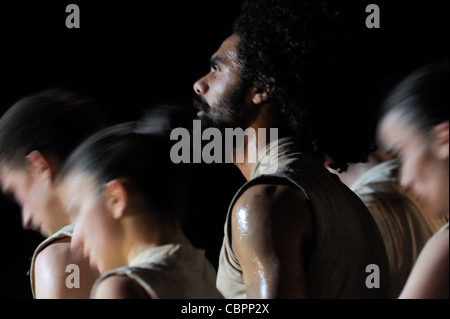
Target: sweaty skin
(429, 277)
(271, 224)
(50, 272)
(270, 240)
(33, 189)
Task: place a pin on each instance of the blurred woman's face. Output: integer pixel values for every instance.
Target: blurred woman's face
(423, 169)
(36, 195)
(97, 234)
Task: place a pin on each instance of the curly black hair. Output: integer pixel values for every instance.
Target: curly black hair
(309, 48)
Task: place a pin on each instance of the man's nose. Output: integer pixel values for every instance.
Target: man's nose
(201, 86)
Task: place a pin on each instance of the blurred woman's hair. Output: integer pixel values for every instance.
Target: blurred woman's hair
(422, 97)
(53, 122)
(137, 153)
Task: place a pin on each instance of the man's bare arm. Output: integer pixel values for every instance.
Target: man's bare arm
(271, 231)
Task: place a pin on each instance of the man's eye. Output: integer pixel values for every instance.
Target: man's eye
(215, 68)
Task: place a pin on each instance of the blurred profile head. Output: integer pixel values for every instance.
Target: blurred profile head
(120, 172)
(414, 127)
(37, 134)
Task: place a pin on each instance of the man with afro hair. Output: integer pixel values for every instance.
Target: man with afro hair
(298, 232)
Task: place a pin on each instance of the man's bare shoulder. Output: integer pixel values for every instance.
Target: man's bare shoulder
(273, 198)
(273, 225)
(281, 208)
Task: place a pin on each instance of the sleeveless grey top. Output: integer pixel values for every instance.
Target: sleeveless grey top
(346, 237)
(172, 271)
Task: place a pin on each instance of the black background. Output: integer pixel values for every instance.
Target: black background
(133, 55)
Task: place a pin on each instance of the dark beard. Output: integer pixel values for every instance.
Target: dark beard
(230, 111)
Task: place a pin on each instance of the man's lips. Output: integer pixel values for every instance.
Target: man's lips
(200, 105)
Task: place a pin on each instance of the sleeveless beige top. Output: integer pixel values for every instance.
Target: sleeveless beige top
(404, 227)
(172, 271)
(64, 232)
(346, 238)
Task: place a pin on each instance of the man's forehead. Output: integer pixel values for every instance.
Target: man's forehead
(231, 42)
(227, 51)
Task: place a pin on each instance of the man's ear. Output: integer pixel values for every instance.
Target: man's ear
(262, 91)
(116, 198)
(39, 165)
(440, 140)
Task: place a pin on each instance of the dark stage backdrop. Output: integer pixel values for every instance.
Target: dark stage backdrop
(131, 55)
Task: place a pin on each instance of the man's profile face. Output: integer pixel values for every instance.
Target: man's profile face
(222, 97)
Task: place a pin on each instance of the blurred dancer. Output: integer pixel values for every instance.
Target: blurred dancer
(126, 196)
(414, 128)
(36, 135)
(404, 225)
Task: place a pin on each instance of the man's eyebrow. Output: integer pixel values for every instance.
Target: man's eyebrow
(216, 60)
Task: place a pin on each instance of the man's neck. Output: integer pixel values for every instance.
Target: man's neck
(254, 142)
(250, 150)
